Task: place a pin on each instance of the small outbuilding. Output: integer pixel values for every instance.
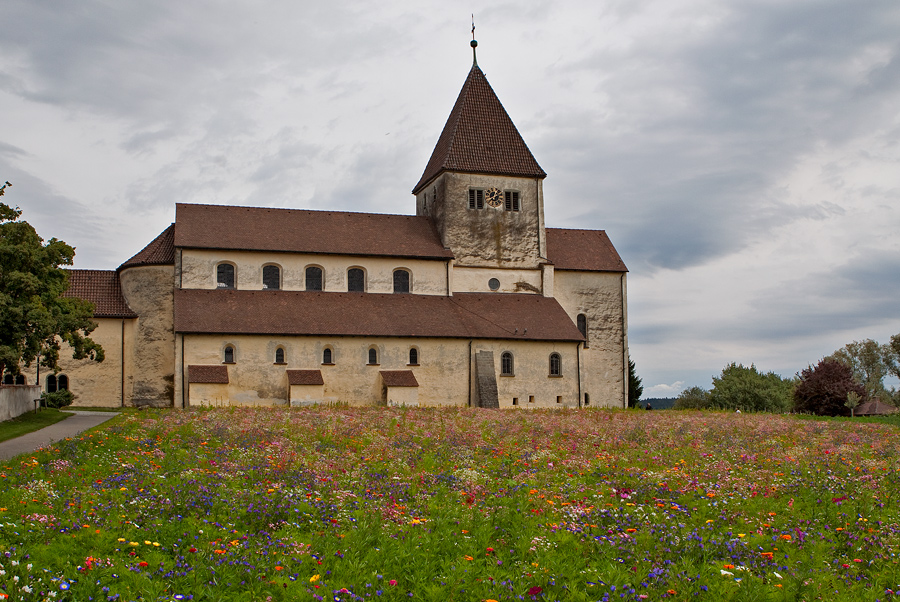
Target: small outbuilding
(876, 407)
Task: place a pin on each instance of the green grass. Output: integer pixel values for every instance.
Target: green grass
(30, 422)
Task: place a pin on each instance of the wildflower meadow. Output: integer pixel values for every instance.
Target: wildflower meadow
(348, 504)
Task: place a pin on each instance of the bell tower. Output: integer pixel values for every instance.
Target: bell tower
(482, 187)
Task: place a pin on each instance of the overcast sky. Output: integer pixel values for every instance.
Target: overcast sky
(743, 156)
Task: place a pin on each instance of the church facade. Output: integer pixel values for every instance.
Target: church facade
(472, 301)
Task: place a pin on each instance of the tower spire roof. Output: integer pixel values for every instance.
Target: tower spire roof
(479, 137)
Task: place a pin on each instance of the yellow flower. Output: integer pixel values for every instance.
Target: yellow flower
(121, 539)
(314, 578)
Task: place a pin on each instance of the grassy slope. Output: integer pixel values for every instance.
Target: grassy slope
(30, 422)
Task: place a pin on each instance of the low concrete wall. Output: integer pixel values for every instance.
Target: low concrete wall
(15, 400)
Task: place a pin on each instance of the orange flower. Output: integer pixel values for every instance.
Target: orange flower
(729, 566)
(468, 557)
(766, 555)
(630, 530)
(786, 537)
(671, 592)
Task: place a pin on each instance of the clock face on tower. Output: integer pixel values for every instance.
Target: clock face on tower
(494, 197)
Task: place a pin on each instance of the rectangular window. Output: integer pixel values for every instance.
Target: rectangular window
(515, 401)
(559, 399)
(476, 198)
(512, 200)
(531, 399)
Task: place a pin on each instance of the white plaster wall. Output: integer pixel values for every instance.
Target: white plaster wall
(402, 396)
(601, 297)
(97, 384)
(198, 270)
(442, 372)
(532, 373)
(475, 280)
(15, 400)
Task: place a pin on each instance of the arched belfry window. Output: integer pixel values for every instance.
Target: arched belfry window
(228, 355)
(315, 278)
(225, 275)
(555, 364)
(506, 364)
(271, 277)
(401, 281)
(356, 280)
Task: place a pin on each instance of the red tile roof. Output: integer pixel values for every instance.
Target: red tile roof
(160, 251)
(100, 287)
(305, 377)
(399, 378)
(588, 250)
(303, 231)
(464, 315)
(217, 375)
(479, 137)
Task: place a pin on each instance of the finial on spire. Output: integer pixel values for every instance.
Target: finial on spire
(473, 43)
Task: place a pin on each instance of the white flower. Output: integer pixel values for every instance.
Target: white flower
(777, 575)
(724, 572)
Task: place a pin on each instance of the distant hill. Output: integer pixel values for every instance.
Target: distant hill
(658, 403)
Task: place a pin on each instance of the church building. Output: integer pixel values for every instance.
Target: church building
(472, 301)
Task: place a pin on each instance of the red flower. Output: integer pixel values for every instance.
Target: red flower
(192, 550)
(392, 582)
(142, 564)
(534, 591)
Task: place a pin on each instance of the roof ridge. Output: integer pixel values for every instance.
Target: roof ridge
(480, 137)
(257, 208)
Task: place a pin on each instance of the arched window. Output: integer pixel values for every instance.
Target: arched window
(51, 383)
(401, 281)
(356, 280)
(555, 364)
(62, 382)
(229, 354)
(8, 379)
(314, 278)
(373, 356)
(506, 363)
(20, 379)
(582, 326)
(327, 356)
(413, 356)
(271, 277)
(279, 356)
(225, 275)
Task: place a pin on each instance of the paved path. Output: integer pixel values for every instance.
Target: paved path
(81, 421)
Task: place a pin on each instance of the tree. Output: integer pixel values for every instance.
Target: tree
(635, 386)
(692, 398)
(35, 317)
(870, 363)
(826, 388)
(741, 388)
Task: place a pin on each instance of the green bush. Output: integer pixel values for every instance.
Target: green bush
(59, 399)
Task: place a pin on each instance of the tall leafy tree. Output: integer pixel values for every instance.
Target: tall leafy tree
(692, 398)
(35, 317)
(870, 363)
(635, 385)
(742, 388)
(824, 389)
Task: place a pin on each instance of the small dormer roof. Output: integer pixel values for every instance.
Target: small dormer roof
(479, 137)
